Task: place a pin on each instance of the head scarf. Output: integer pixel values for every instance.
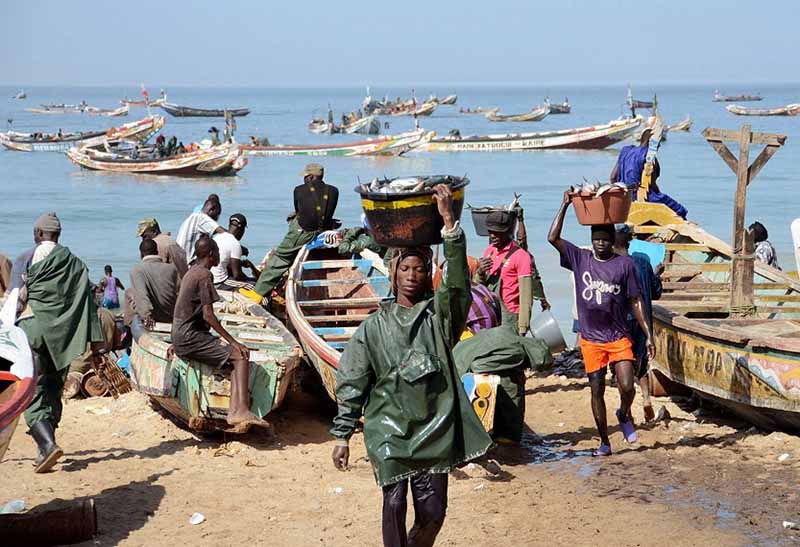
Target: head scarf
(48, 223)
(423, 253)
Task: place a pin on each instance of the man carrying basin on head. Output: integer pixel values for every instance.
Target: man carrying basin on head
(606, 290)
(510, 271)
(314, 206)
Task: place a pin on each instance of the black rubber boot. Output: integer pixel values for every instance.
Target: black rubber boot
(49, 452)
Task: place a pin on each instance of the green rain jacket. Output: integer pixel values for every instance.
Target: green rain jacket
(64, 312)
(398, 369)
(500, 349)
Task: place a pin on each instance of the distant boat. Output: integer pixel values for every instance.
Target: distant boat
(561, 108)
(389, 145)
(719, 98)
(20, 95)
(477, 110)
(59, 108)
(637, 103)
(187, 111)
(425, 109)
(450, 99)
(535, 115)
(109, 112)
(788, 110)
(684, 125)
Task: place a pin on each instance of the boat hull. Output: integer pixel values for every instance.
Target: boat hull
(788, 110)
(535, 115)
(190, 112)
(390, 145)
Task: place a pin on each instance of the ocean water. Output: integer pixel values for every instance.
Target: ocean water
(99, 211)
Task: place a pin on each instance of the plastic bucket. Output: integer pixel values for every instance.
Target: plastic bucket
(611, 207)
(479, 215)
(408, 219)
(545, 327)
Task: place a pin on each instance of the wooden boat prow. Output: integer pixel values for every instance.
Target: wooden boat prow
(750, 365)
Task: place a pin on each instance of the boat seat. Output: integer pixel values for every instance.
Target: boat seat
(336, 264)
(355, 317)
(343, 303)
(330, 282)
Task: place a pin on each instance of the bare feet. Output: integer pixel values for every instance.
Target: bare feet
(247, 419)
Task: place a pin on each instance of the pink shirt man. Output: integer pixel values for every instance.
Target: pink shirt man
(511, 269)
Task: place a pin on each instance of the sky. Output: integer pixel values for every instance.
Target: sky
(328, 43)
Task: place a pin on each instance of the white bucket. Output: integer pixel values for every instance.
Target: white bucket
(545, 327)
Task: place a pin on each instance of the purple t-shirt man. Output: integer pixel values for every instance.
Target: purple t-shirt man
(603, 290)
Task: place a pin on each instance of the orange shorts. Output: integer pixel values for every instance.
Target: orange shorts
(598, 355)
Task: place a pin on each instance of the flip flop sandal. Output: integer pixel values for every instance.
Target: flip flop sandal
(603, 450)
(627, 428)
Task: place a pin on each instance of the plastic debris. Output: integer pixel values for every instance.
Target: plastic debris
(197, 518)
(789, 525)
(783, 457)
(13, 506)
(481, 486)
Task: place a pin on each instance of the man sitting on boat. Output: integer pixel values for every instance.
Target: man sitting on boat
(191, 332)
(398, 372)
(60, 321)
(606, 290)
(314, 205)
(154, 288)
(197, 224)
(228, 274)
(629, 168)
(168, 249)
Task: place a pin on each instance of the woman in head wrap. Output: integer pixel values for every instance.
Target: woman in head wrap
(398, 372)
(764, 250)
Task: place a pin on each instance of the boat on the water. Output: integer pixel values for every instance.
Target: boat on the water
(20, 95)
(220, 160)
(188, 111)
(368, 125)
(450, 99)
(388, 145)
(109, 112)
(140, 131)
(198, 394)
(788, 110)
(144, 102)
(720, 98)
(595, 137)
(318, 126)
(560, 108)
(424, 109)
(477, 110)
(59, 108)
(536, 114)
(17, 372)
(684, 125)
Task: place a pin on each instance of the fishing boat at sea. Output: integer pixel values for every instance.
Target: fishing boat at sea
(221, 160)
(536, 114)
(367, 125)
(425, 109)
(560, 108)
(595, 137)
(727, 326)
(449, 100)
(17, 372)
(720, 98)
(477, 110)
(145, 102)
(684, 125)
(139, 131)
(788, 110)
(108, 112)
(58, 108)
(20, 95)
(189, 112)
(198, 394)
(388, 145)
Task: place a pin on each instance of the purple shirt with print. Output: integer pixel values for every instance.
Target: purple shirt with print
(603, 290)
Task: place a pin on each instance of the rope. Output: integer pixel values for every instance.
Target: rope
(742, 310)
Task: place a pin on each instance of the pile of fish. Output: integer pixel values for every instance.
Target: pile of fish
(596, 188)
(403, 185)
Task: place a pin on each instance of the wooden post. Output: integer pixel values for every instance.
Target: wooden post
(743, 260)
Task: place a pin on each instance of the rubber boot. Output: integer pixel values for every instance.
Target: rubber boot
(49, 452)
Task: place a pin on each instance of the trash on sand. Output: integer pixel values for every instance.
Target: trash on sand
(98, 411)
(470, 466)
(789, 525)
(560, 424)
(338, 490)
(13, 506)
(783, 457)
(481, 486)
(197, 518)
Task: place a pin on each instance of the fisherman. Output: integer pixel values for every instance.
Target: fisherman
(168, 249)
(764, 251)
(161, 147)
(629, 167)
(191, 337)
(60, 321)
(110, 287)
(314, 205)
(228, 274)
(606, 289)
(398, 373)
(214, 136)
(172, 146)
(5, 273)
(197, 224)
(510, 271)
(154, 287)
(650, 286)
(181, 149)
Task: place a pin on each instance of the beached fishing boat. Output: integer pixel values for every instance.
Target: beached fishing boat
(684, 125)
(388, 145)
(187, 111)
(595, 137)
(109, 112)
(788, 110)
(224, 159)
(720, 98)
(537, 114)
(140, 131)
(560, 108)
(198, 394)
(17, 373)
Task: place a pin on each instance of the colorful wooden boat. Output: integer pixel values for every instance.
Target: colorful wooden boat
(720, 98)
(750, 365)
(788, 110)
(368, 125)
(188, 112)
(17, 372)
(199, 395)
(537, 114)
(222, 160)
(425, 109)
(595, 137)
(139, 131)
(388, 145)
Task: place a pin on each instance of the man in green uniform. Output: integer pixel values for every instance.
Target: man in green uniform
(398, 372)
(60, 321)
(314, 205)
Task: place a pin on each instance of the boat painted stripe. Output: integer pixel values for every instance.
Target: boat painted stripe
(329, 282)
(331, 264)
(417, 201)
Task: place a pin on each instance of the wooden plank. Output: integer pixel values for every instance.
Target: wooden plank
(711, 285)
(679, 274)
(761, 161)
(233, 318)
(355, 317)
(335, 330)
(336, 264)
(330, 282)
(778, 297)
(702, 266)
(688, 247)
(712, 134)
(342, 303)
(725, 153)
(646, 229)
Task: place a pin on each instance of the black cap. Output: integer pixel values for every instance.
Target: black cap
(239, 219)
(213, 130)
(499, 221)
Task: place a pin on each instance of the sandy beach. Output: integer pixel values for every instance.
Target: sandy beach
(692, 480)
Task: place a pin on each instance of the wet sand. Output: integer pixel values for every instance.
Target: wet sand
(692, 480)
